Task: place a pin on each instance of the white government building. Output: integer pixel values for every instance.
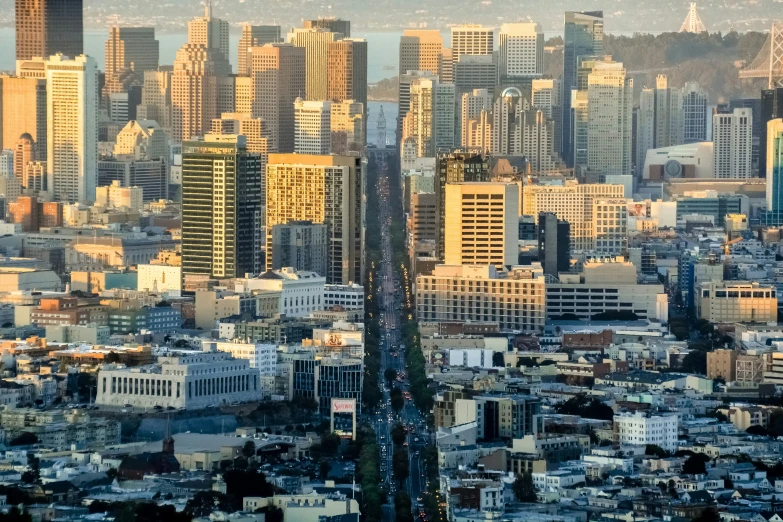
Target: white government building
(190, 380)
(642, 428)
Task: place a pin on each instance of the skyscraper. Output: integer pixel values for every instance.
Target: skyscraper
(316, 43)
(554, 244)
(254, 36)
(694, 113)
(660, 120)
(429, 123)
(334, 25)
(255, 133)
(420, 50)
(473, 105)
(130, 52)
(72, 128)
(471, 40)
(348, 126)
(520, 51)
(23, 106)
(156, 98)
(210, 32)
(732, 138)
(347, 70)
(546, 96)
(610, 112)
(48, 27)
(312, 127)
(774, 168)
(771, 109)
(583, 36)
(221, 207)
(321, 189)
(482, 224)
(278, 75)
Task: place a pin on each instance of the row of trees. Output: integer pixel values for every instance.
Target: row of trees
(368, 474)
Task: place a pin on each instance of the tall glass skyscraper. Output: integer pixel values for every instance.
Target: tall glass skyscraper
(774, 169)
(583, 36)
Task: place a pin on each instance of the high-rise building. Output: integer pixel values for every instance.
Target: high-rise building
(538, 143)
(520, 51)
(455, 167)
(694, 113)
(404, 93)
(583, 36)
(474, 105)
(347, 70)
(130, 52)
(24, 154)
(334, 25)
(48, 27)
(471, 40)
(210, 32)
(302, 245)
(23, 111)
(473, 72)
(142, 140)
(545, 96)
(316, 43)
(482, 224)
(348, 127)
(255, 132)
(312, 127)
(72, 128)
(771, 109)
(660, 121)
(420, 50)
(610, 113)
(321, 189)
(554, 244)
(278, 74)
(254, 36)
(732, 138)
(156, 98)
(610, 225)
(221, 206)
(774, 167)
(507, 134)
(429, 122)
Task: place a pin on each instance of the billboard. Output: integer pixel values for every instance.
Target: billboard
(343, 405)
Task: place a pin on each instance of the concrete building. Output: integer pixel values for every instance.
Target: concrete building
(321, 189)
(142, 140)
(23, 103)
(49, 27)
(482, 224)
(306, 508)
(160, 278)
(348, 127)
(221, 207)
(722, 363)
(347, 70)
(129, 52)
(554, 244)
(660, 121)
(312, 127)
(214, 305)
(261, 356)
(210, 32)
(301, 293)
(156, 99)
(72, 128)
(610, 226)
(315, 43)
(81, 334)
(13, 279)
(476, 107)
(189, 380)
(116, 196)
(732, 138)
(302, 245)
(150, 176)
(736, 302)
(60, 431)
(254, 36)
(429, 122)
(509, 417)
(609, 123)
(644, 428)
(694, 111)
(350, 297)
(420, 50)
(515, 300)
(692, 160)
(520, 50)
(471, 40)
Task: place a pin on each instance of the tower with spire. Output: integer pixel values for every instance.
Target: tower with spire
(381, 127)
(693, 23)
(168, 441)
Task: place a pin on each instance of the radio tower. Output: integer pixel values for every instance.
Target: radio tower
(381, 127)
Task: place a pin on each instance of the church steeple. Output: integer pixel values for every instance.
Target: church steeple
(168, 441)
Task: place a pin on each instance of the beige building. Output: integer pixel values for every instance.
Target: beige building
(142, 140)
(316, 44)
(278, 73)
(420, 50)
(515, 299)
(13, 279)
(305, 508)
(610, 226)
(156, 98)
(321, 189)
(347, 70)
(209, 32)
(23, 106)
(572, 202)
(348, 127)
(255, 132)
(744, 417)
(736, 302)
(160, 278)
(750, 368)
(722, 363)
(254, 36)
(129, 52)
(423, 217)
(312, 127)
(482, 224)
(115, 196)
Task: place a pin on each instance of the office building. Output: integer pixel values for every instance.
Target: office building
(482, 224)
(546, 96)
(554, 244)
(475, 72)
(24, 155)
(254, 36)
(312, 127)
(605, 286)
(583, 36)
(323, 379)
(72, 128)
(303, 245)
(160, 278)
(348, 127)
(420, 50)
(609, 124)
(514, 299)
(732, 137)
(471, 40)
(190, 381)
(261, 356)
(643, 428)
(130, 52)
(336, 25)
(610, 226)
(142, 140)
(299, 294)
(316, 44)
(116, 196)
(423, 217)
(321, 189)
(455, 167)
(660, 121)
(221, 207)
(429, 122)
(694, 113)
(520, 51)
(404, 92)
(736, 302)
(538, 142)
(278, 75)
(571, 202)
(774, 167)
(48, 27)
(256, 137)
(475, 109)
(347, 71)
(508, 417)
(771, 109)
(151, 176)
(209, 32)
(23, 106)
(722, 363)
(156, 98)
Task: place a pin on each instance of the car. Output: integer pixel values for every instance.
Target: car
(416, 439)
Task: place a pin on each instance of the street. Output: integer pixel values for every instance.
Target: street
(393, 356)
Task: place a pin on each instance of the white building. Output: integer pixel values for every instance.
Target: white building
(660, 119)
(312, 127)
(115, 196)
(643, 428)
(521, 50)
(142, 140)
(350, 297)
(474, 105)
(6, 163)
(610, 114)
(160, 278)
(545, 94)
(72, 127)
(190, 380)
(301, 292)
(262, 357)
(732, 138)
(557, 480)
(694, 113)
(692, 160)
(610, 223)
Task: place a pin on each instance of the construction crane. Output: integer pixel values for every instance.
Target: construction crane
(731, 242)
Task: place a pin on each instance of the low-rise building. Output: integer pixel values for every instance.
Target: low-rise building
(737, 302)
(60, 430)
(645, 428)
